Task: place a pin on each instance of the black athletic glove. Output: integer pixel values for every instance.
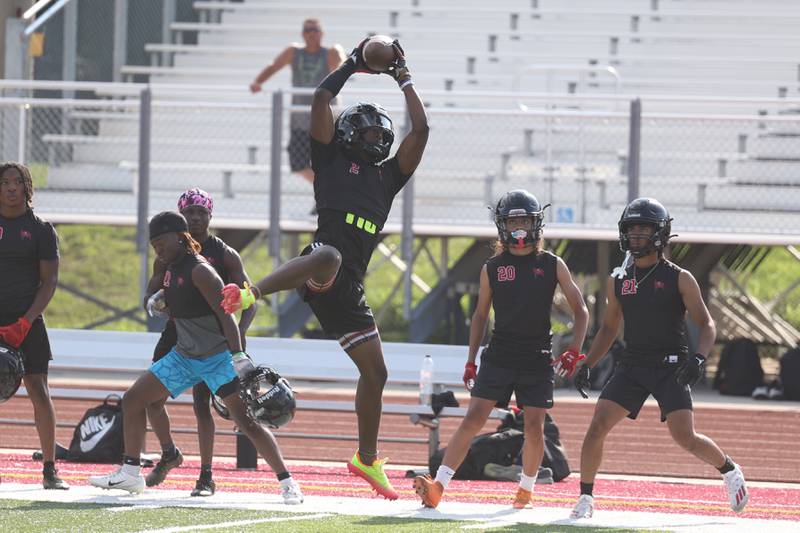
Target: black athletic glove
(582, 381)
(399, 70)
(356, 59)
(691, 370)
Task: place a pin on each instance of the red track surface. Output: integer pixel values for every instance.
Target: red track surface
(763, 441)
(765, 503)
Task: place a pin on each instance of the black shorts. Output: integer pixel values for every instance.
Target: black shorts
(531, 388)
(631, 385)
(36, 346)
(342, 309)
(167, 341)
(299, 149)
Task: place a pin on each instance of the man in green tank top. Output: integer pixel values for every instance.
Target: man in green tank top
(310, 64)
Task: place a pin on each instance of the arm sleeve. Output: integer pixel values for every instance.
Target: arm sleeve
(47, 243)
(322, 154)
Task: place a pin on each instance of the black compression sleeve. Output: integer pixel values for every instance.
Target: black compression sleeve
(334, 81)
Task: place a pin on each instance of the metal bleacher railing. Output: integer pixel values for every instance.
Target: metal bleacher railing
(586, 154)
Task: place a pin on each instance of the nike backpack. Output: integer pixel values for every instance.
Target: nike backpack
(98, 436)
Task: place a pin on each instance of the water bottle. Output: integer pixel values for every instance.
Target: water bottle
(242, 364)
(426, 381)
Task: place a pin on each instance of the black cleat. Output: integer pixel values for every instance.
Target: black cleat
(159, 473)
(51, 481)
(204, 487)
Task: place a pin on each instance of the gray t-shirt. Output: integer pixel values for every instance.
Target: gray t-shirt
(308, 70)
(200, 337)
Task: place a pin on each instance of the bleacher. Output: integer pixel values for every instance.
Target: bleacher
(674, 55)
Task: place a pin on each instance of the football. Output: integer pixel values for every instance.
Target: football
(379, 53)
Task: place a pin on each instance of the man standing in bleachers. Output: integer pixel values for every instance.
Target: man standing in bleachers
(310, 64)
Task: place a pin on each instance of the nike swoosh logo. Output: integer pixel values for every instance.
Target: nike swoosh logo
(88, 445)
(110, 484)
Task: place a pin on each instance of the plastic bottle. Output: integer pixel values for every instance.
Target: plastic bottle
(426, 381)
(242, 364)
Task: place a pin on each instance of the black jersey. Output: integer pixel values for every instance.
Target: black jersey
(199, 332)
(522, 296)
(654, 313)
(214, 249)
(353, 201)
(24, 241)
(184, 299)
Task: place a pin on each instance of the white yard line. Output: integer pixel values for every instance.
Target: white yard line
(238, 523)
(479, 513)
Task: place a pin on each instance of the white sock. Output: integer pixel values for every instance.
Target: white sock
(527, 482)
(132, 470)
(444, 475)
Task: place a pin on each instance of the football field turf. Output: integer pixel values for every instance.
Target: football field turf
(338, 502)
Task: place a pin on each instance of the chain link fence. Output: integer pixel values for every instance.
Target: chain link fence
(84, 149)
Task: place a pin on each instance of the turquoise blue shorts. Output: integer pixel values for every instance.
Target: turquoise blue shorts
(178, 373)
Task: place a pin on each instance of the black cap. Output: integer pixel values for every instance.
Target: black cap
(167, 222)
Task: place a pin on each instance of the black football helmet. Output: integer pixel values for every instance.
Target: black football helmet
(519, 203)
(12, 368)
(269, 397)
(645, 211)
(352, 126)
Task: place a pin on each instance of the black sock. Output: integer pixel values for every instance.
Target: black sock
(205, 471)
(284, 475)
(169, 450)
(727, 467)
(586, 488)
(133, 461)
(49, 467)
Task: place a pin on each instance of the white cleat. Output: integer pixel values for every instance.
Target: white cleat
(737, 490)
(292, 495)
(119, 480)
(584, 508)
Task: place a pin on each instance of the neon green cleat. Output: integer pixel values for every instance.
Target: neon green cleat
(374, 475)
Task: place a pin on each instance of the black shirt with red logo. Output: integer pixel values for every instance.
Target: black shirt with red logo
(24, 241)
(522, 297)
(184, 299)
(214, 249)
(654, 313)
(353, 202)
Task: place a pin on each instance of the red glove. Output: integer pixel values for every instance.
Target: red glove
(566, 364)
(470, 374)
(234, 298)
(15, 333)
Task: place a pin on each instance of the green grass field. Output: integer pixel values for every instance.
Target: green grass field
(36, 516)
(102, 261)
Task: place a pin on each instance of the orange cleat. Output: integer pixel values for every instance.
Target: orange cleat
(429, 490)
(522, 499)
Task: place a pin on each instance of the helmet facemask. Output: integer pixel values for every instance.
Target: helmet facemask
(269, 397)
(365, 132)
(656, 242)
(520, 237)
